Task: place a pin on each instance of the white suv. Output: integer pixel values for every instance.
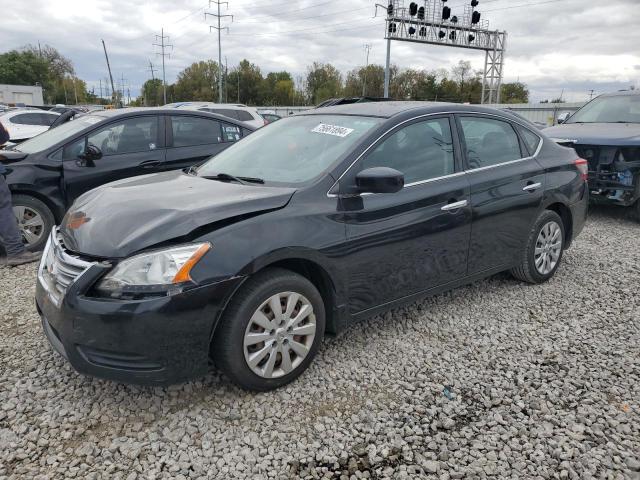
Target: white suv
(248, 115)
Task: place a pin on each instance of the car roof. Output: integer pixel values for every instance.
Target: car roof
(621, 93)
(123, 112)
(393, 108)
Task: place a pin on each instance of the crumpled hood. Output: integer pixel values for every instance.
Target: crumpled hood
(123, 217)
(612, 134)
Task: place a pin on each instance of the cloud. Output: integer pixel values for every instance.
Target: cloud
(568, 44)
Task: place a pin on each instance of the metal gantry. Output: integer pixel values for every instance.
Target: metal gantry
(423, 22)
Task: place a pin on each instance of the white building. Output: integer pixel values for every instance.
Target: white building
(21, 94)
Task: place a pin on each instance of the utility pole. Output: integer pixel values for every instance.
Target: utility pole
(152, 70)
(101, 89)
(122, 97)
(75, 92)
(219, 28)
(226, 80)
(591, 92)
(387, 68)
(367, 48)
(109, 68)
(163, 45)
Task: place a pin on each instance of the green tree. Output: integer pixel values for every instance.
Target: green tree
(152, 93)
(515, 92)
(199, 81)
(324, 81)
(251, 80)
(371, 77)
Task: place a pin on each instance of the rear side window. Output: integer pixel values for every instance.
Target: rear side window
(231, 133)
(244, 116)
(489, 142)
(225, 112)
(191, 131)
(531, 140)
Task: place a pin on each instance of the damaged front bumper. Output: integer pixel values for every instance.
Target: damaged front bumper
(614, 173)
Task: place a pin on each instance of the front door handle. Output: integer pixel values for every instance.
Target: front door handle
(150, 164)
(532, 187)
(454, 206)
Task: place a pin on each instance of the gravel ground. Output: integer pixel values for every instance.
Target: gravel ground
(498, 379)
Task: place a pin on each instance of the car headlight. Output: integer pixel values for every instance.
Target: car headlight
(161, 272)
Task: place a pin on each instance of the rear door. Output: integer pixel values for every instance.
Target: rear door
(418, 238)
(129, 147)
(507, 186)
(192, 139)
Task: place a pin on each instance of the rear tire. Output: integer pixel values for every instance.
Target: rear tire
(35, 221)
(261, 348)
(543, 252)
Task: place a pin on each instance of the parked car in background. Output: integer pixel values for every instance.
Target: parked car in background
(270, 117)
(248, 115)
(320, 220)
(538, 125)
(48, 172)
(349, 100)
(606, 132)
(25, 123)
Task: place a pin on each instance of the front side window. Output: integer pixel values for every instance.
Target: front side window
(421, 151)
(59, 134)
(293, 150)
(138, 134)
(489, 141)
(191, 131)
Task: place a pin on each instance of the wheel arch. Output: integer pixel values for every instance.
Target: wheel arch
(567, 220)
(55, 209)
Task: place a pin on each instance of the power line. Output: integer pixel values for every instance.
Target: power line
(219, 28)
(163, 45)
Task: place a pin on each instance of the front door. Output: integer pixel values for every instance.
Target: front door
(418, 238)
(128, 147)
(507, 187)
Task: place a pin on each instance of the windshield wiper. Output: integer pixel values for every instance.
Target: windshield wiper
(225, 177)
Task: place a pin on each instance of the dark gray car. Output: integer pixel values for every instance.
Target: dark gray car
(606, 132)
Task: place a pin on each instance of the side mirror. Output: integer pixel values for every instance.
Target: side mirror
(563, 117)
(379, 180)
(90, 154)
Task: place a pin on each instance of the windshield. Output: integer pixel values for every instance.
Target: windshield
(51, 137)
(616, 109)
(293, 150)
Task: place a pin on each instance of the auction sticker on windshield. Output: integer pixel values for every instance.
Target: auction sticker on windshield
(332, 130)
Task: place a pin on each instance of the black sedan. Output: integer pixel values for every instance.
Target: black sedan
(302, 228)
(49, 171)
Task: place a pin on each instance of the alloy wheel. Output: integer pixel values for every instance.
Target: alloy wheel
(548, 248)
(30, 223)
(279, 335)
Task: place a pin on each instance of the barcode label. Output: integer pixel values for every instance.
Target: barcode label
(332, 130)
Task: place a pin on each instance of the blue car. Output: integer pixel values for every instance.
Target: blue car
(606, 132)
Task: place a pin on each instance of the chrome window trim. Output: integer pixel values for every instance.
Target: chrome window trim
(456, 174)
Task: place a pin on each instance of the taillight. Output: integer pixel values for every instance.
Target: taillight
(583, 167)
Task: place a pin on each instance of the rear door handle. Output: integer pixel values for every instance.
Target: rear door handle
(150, 164)
(532, 187)
(454, 206)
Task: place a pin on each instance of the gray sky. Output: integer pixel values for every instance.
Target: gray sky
(575, 45)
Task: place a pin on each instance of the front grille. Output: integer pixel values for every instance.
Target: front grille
(60, 268)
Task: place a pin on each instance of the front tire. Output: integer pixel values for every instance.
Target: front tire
(543, 252)
(35, 221)
(270, 331)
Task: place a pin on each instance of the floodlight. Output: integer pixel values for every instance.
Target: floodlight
(452, 36)
(471, 38)
(454, 19)
(474, 3)
(421, 13)
(441, 34)
(475, 18)
(412, 30)
(446, 13)
(423, 31)
(393, 28)
(413, 9)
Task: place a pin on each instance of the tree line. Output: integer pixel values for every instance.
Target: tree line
(245, 83)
